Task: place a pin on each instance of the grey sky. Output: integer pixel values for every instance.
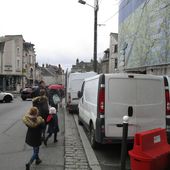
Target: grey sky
(62, 30)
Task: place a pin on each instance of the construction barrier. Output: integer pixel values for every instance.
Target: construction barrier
(151, 151)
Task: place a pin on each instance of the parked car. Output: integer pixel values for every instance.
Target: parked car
(6, 97)
(106, 98)
(28, 92)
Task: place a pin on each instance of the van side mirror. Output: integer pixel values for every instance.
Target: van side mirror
(79, 94)
(130, 111)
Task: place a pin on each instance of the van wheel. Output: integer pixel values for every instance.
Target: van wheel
(93, 142)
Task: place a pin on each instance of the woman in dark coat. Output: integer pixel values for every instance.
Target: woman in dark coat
(35, 124)
(41, 102)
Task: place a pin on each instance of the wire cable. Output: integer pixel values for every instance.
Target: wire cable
(127, 2)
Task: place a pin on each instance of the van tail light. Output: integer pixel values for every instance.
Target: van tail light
(101, 100)
(167, 97)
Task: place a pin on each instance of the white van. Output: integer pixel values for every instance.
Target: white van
(74, 83)
(106, 98)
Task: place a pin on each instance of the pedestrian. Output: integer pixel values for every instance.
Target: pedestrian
(35, 124)
(41, 85)
(54, 98)
(53, 127)
(41, 102)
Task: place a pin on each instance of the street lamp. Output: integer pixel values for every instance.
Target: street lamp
(95, 7)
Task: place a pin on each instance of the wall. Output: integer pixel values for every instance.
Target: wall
(144, 33)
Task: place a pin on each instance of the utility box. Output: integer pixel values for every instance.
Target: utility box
(151, 151)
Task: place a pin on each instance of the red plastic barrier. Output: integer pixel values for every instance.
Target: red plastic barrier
(150, 151)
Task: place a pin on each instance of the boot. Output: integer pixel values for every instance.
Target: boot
(27, 166)
(38, 161)
(45, 141)
(55, 140)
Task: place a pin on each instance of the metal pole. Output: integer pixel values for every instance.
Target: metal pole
(95, 36)
(124, 142)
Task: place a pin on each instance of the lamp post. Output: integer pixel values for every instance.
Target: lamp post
(95, 7)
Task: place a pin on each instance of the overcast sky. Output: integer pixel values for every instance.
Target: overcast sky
(61, 30)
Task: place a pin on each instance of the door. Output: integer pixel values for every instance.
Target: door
(120, 93)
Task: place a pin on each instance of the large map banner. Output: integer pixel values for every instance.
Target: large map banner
(144, 33)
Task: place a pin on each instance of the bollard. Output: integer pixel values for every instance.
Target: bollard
(124, 142)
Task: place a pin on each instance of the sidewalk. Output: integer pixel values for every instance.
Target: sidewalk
(75, 157)
(53, 155)
(71, 152)
(78, 152)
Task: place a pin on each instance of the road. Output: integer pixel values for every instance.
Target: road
(14, 153)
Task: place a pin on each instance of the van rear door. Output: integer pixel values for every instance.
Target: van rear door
(144, 93)
(75, 86)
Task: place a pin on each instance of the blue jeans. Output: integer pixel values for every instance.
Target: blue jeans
(35, 154)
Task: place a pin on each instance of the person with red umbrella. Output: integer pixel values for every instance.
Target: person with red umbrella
(55, 95)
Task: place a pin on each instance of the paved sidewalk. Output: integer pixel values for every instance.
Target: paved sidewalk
(75, 157)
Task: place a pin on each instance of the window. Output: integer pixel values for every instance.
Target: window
(116, 48)
(17, 63)
(115, 62)
(17, 50)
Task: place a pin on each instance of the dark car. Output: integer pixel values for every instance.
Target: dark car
(28, 92)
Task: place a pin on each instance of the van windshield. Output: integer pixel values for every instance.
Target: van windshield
(75, 85)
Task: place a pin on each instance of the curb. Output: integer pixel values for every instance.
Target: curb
(91, 157)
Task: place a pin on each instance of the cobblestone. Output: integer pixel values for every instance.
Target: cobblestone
(75, 157)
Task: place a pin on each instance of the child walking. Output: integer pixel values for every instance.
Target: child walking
(35, 124)
(53, 128)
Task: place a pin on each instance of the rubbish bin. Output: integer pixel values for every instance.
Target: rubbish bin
(150, 151)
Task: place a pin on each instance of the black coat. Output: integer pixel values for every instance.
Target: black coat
(41, 102)
(35, 126)
(33, 136)
(53, 124)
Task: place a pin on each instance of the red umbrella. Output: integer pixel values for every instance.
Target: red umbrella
(56, 86)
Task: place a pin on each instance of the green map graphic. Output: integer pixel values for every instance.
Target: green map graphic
(144, 36)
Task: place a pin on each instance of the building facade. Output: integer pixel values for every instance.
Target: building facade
(82, 66)
(113, 60)
(17, 63)
(18, 67)
(28, 64)
(52, 74)
(11, 51)
(104, 63)
(144, 36)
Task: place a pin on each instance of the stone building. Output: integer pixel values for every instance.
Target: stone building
(82, 66)
(104, 64)
(113, 51)
(11, 53)
(18, 67)
(52, 74)
(28, 64)
(17, 63)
